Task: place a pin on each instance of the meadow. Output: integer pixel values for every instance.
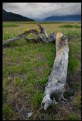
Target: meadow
(26, 67)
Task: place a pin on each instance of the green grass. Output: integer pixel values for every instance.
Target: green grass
(7, 36)
(8, 111)
(9, 25)
(70, 26)
(73, 116)
(73, 64)
(27, 65)
(37, 97)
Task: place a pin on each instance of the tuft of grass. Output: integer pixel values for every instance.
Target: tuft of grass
(8, 36)
(37, 99)
(17, 81)
(8, 112)
(73, 35)
(77, 102)
(72, 64)
(73, 116)
(43, 80)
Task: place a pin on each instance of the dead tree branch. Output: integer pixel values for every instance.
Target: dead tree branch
(39, 37)
(23, 35)
(50, 37)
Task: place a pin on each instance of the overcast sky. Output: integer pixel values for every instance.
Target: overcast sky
(43, 10)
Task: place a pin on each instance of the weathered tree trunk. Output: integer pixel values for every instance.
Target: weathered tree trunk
(47, 38)
(23, 35)
(57, 79)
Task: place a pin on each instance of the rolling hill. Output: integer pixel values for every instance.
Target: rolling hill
(64, 18)
(9, 16)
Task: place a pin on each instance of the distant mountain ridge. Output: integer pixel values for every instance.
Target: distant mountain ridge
(9, 16)
(64, 18)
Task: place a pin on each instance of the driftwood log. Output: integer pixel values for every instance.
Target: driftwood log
(38, 38)
(23, 35)
(57, 79)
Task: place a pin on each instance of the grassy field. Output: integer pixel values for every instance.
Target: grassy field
(26, 67)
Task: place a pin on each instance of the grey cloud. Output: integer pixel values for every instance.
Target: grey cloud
(42, 10)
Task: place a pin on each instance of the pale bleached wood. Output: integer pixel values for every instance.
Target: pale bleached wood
(57, 79)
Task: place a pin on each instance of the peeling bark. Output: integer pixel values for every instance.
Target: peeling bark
(57, 79)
